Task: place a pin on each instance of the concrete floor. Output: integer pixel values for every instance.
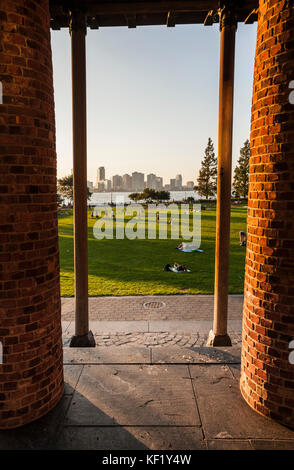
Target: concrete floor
(151, 384)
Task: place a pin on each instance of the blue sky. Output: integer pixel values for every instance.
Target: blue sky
(152, 97)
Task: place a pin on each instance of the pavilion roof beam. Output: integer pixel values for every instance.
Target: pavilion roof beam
(131, 19)
(93, 22)
(209, 18)
(114, 13)
(252, 17)
(171, 19)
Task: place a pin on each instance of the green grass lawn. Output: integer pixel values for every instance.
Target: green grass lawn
(135, 267)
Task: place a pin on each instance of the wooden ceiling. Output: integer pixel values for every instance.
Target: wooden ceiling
(132, 13)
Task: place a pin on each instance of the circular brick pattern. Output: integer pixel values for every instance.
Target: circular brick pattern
(154, 339)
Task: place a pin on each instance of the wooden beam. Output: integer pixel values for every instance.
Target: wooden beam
(219, 336)
(54, 24)
(140, 7)
(209, 19)
(114, 13)
(131, 20)
(93, 22)
(252, 17)
(171, 19)
(79, 120)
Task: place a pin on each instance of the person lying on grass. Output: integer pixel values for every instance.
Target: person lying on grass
(188, 247)
(177, 268)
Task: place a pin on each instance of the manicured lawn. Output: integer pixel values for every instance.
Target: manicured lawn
(135, 267)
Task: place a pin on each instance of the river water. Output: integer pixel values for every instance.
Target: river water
(98, 199)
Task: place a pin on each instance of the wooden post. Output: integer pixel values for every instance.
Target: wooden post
(218, 336)
(83, 337)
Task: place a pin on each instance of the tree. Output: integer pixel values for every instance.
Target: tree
(59, 200)
(65, 188)
(162, 195)
(241, 174)
(190, 200)
(148, 195)
(134, 196)
(206, 181)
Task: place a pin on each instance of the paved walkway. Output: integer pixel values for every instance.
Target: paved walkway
(151, 384)
(131, 397)
(158, 307)
(153, 321)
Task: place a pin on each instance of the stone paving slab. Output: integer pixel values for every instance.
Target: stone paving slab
(37, 435)
(263, 444)
(176, 307)
(162, 407)
(189, 326)
(71, 377)
(132, 395)
(179, 355)
(145, 355)
(105, 355)
(177, 326)
(229, 444)
(224, 413)
(130, 438)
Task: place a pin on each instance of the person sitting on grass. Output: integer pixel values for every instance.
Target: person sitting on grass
(243, 238)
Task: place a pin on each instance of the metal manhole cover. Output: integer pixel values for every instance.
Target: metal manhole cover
(154, 304)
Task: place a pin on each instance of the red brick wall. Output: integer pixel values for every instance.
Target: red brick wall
(31, 377)
(267, 378)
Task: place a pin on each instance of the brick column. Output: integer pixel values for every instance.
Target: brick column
(267, 377)
(31, 376)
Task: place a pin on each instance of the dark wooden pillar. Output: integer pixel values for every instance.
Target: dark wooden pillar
(78, 30)
(218, 336)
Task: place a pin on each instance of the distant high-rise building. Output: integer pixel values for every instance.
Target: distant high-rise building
(137, 181)
(158, 183)
(190, 185)
(116, 181)
(101, 173)
(172, 184)
(127, 182)
(100, 186)
(107, 185)
(151, 181)
(178, 182)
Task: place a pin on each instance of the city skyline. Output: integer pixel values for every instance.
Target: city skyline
(136, 181)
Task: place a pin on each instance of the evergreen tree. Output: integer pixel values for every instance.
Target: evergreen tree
(241, 174)
(206, 181)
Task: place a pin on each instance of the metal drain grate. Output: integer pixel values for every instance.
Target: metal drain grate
(154, 304)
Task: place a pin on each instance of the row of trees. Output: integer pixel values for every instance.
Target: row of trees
(207, 180)
(150, 195)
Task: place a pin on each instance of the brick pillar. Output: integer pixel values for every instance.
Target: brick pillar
(267, 377)
(31, 376)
